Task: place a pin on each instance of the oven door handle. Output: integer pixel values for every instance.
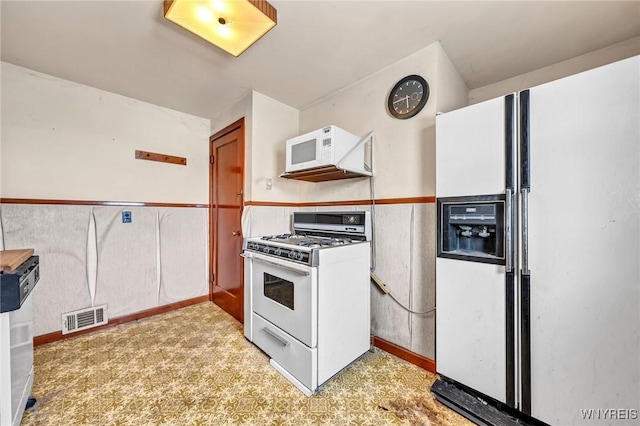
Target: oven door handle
(271, 333)
(288, 268)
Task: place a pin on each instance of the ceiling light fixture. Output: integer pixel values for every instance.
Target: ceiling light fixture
(232, 25)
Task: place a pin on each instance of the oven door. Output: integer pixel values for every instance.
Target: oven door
(285, 293)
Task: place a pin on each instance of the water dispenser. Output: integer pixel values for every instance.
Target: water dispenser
(472, 228)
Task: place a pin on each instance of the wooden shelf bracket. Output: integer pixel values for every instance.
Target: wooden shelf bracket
(163, 158)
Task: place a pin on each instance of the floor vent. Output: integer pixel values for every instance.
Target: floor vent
(83, 319)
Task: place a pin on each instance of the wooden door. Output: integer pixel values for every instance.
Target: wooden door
(225, 236)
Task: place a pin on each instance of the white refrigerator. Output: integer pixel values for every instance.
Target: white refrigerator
(538, 267)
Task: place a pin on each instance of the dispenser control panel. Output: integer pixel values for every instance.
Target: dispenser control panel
(472, 228)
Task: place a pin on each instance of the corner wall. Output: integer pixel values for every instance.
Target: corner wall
(404, 170)
(268, 124)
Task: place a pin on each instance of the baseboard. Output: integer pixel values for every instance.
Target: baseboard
(407, 355)
(57, 335)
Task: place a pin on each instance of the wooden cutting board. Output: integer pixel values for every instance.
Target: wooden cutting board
(11, 259)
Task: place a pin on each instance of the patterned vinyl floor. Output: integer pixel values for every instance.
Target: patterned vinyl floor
(193, 366)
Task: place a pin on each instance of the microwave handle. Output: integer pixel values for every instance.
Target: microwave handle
(369, 136)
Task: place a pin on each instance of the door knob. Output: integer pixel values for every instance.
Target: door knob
(235, 233)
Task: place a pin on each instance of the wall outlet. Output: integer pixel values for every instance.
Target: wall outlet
(269, 184)
(126, 216)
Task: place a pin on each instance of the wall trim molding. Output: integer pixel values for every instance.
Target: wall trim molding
(57, 335)
(405, 200)
(271, 204)
(407, 355)
(408, 200)
(96, 203)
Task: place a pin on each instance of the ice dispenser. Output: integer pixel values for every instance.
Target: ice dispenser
(472, 228)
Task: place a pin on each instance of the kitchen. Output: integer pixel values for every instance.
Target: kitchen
(96, 132)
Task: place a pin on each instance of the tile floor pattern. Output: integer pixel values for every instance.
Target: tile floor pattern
(193, 366)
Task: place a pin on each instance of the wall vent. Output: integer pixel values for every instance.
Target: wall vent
(83, 319)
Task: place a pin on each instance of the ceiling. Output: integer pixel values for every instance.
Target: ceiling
(318, 46)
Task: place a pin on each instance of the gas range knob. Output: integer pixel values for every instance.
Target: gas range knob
(266, 250)
(277, 252)
(299, 256)
(292, 254)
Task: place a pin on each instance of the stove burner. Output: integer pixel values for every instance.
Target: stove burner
(325, 242)
(273, 237)
(340, 241)
(310, 241)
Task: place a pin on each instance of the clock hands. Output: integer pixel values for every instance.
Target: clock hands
(406, 98)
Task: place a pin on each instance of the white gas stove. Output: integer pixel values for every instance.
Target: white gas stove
(307, 300)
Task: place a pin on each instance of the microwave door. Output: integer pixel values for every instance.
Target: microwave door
(304, 154)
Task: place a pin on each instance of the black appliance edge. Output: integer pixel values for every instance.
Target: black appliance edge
(525, 277)
(510, 166)
(510, 338)
(525, 341)
(478, 407)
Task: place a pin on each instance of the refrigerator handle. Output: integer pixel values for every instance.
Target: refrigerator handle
(509, 229)
(525, 230)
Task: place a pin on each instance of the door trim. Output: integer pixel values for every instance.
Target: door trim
(238, 124)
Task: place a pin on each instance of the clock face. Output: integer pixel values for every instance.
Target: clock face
(408, 97)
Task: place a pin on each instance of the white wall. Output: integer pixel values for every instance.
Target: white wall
(63, 140)
(273, 123)
(607, 55)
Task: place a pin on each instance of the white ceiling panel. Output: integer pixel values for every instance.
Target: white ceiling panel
(318, 47)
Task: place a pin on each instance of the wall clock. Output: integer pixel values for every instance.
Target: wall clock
(408, 97)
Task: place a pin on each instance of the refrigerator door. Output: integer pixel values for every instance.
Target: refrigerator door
(474, 327)
(584, 248)
(470, 150)
(471, 325)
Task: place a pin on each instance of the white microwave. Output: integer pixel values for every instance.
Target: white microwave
(324, 147)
